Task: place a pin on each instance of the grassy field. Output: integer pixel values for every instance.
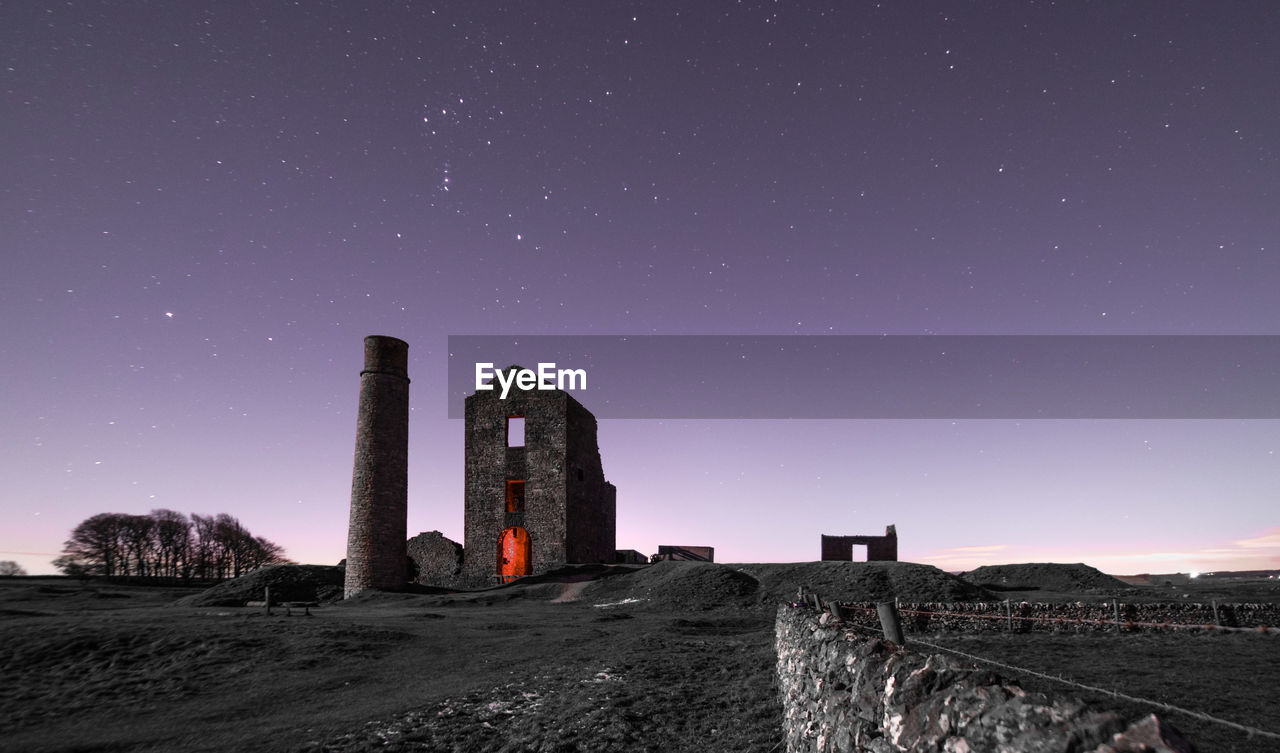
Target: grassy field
(681, 660)
(114, 668)
(1233, 676)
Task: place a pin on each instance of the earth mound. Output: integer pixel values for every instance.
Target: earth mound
(1042, 576)
(287, 582)
(684, 585)
(864, 581)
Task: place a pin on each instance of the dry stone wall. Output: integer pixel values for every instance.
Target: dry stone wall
(842, 692)
(1075, 617)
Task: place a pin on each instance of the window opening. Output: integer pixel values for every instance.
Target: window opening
(515, 496)
(515, 431)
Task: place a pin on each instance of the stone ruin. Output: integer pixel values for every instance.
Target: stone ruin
(685, 553)
(535, 493)
(536, 496)
(879, 548)
(630, 557)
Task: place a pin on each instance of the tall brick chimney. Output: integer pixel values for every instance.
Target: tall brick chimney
(376, 535)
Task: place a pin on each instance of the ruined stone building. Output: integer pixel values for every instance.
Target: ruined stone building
(686, 553)
(535, 493)
(879, 548)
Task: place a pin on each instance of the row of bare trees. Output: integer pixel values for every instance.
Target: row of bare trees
(165, 544)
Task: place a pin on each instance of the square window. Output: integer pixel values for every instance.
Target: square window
(515, 431)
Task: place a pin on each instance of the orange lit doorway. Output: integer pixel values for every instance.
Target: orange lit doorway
(514, 558)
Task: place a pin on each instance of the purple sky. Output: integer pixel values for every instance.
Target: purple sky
(203, 210)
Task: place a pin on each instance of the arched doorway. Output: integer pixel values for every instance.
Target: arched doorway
(514, 556)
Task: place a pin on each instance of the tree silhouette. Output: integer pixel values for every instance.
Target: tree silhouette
(9, 568)
(165, 543)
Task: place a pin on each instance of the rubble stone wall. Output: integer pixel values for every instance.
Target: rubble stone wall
(438, 560)
(843, 692)
(1076, 617)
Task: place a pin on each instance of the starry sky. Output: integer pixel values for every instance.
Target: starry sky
(206, 206)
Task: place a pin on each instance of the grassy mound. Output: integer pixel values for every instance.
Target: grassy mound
(686, 585)
(864, 581)
(287, 582)
(1042, 576)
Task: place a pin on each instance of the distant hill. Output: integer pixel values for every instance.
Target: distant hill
(287, 582)
(1042, 576)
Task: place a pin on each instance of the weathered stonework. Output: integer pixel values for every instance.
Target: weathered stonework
(879, 548)
(379, 482)
(561, 510)
(438, 560)
(842, 692)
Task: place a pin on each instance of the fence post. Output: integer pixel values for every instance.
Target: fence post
(1117, 605)
(816, 601)
(1008, 613)
(837, 610)
(1216, 621)
(266, 598)
(889, 622)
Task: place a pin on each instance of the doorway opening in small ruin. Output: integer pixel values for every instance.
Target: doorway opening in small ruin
(514, 554)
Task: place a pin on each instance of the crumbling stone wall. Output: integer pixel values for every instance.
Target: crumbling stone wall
(879, 548)
(689, 553)
(843, 692)
(591, 501)
(629, 557)
(437, 560)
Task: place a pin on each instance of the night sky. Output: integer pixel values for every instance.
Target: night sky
(204, 208)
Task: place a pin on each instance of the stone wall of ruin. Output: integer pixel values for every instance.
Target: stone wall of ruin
(436, 559)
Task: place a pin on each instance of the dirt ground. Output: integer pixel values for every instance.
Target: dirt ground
(676, 657)
(115, 668)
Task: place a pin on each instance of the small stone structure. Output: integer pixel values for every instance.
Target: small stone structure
(437, 561)
(379, 482)
(685, 553)
(842, 692)
(879, 548)
(535, 493)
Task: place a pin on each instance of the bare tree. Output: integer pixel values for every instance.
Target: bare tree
(9, 568)
(203, 546)
(165, 543)
(173, 543)
(137, 537)
(96, 543)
